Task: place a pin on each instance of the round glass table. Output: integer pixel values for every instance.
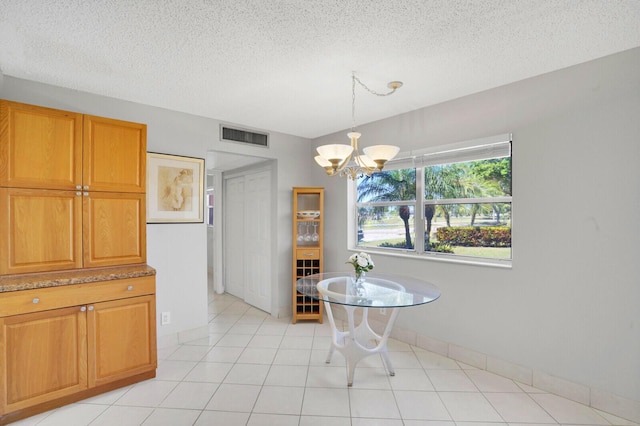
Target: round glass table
(373, 291)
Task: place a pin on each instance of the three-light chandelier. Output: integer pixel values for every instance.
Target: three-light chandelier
(346, 160)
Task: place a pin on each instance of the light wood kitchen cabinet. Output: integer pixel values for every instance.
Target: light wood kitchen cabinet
(121, 338)
(64, 343)
(39, 147)
(49, 148)
(114, 228)
(39, 230)
(44, 357)
(100, 161)
(308, 231)
(48, 230)
(114, 155)
(77, 300)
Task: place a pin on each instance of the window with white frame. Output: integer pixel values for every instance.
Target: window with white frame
(453, 203)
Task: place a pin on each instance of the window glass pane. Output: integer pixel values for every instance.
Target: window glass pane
(391, 185)
(478, 230)
(386, 226)
(465, 194)
(210, 207)
(471, 179)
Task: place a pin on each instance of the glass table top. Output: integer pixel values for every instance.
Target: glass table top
(375, 291)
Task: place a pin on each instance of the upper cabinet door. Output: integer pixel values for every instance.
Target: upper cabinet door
(115, 155)
(40, 230)
(39, 147)
(114, 228)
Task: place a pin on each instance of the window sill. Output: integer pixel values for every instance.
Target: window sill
(438, 257)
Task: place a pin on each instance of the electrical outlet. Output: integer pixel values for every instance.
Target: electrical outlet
(165, 318)
(383, 311)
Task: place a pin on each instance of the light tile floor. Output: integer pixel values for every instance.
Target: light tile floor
(255, 370)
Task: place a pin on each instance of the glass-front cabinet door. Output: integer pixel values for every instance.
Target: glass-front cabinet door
(308, 220)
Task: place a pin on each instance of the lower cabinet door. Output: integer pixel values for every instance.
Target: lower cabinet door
(43, 357)
(121, 338)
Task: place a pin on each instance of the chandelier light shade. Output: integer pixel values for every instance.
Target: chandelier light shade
(346, 160)
(380, 154)
(335, 153)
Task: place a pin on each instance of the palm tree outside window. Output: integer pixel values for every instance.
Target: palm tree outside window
(462, 199)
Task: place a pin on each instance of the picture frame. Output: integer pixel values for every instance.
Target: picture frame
(175, 189)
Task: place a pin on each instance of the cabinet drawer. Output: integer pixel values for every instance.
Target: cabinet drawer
(307, 254)
(27, 301)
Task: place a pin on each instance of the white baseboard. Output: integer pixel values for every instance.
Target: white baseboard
(598, 399)
(178, 338)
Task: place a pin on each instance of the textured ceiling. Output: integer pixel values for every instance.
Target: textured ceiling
(285, 65)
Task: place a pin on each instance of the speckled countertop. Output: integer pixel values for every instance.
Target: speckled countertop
(71, 277)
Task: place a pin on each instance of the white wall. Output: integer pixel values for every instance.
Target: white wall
(179, 251)
(570, 304)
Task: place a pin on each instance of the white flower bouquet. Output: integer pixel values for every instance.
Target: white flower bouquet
(361, 262)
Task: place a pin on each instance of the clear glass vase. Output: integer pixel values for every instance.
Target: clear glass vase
(357, 282)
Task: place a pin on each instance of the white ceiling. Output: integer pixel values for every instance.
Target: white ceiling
(285, 65)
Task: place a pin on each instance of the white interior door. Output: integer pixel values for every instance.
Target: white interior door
(257, 284)
(234, 211)
(247, 238)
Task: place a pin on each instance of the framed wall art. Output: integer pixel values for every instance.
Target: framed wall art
(175, 187)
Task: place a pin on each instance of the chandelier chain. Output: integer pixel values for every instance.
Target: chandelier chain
(370, 90)
(355, 79)
(353, 102)
(346, 160)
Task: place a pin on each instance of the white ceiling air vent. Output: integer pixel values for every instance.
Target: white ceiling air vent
(244, 136)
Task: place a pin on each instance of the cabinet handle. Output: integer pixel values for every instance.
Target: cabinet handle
(308, 254)
(78, 193)
(91, 308)
(83, 308)
(36, 300)
(86, 194)
(129, 288)
(86, 187)
(78, 186)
